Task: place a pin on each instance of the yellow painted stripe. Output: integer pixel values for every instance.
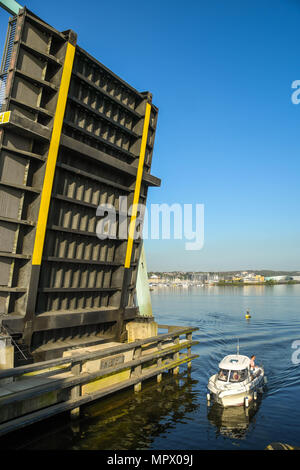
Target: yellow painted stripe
(138, 183)
(52, 156)
(5, 117)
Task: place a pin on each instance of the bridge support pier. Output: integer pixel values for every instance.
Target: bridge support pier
(6, 356)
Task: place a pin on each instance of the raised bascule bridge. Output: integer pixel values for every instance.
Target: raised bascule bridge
(75, 310)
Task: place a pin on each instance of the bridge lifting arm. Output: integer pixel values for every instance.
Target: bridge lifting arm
(142, 287)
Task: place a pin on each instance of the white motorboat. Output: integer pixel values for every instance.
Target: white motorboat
(235, 384)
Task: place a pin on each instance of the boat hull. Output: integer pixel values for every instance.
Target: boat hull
(233, 400)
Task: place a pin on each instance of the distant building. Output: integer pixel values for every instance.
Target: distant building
(249, 278)
(254, 278)
(154, 279)
(275, 278)
(281, 278)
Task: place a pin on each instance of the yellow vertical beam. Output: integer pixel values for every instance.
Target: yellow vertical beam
(137, 188)
(5, 117)
(52, 155)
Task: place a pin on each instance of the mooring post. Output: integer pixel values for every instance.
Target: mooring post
(176, 357)
(76, 390)
(137, 371)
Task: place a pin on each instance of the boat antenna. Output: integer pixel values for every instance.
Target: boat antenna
(238, 347)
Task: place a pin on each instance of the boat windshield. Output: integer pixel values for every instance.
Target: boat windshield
(238, 375)
(223, 375)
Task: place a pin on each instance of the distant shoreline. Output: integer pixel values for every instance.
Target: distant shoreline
(266, 283)
(226, 284)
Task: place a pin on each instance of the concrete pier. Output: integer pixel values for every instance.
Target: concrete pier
(6, 356)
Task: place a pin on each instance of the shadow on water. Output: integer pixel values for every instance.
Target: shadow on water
(124, 421)
(232, 422)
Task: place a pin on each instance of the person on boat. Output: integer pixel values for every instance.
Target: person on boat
(222, 375)
(252, 364)
(236, 376)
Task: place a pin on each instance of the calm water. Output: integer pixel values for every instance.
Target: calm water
(174, 415)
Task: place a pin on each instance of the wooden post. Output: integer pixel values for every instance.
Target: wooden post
(137, 371)
(76, 390)
(176, 357)
(159, 362)
(189, 349)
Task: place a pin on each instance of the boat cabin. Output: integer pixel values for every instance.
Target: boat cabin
(234, 368)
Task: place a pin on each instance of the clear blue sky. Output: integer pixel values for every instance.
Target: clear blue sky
(228, 134)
